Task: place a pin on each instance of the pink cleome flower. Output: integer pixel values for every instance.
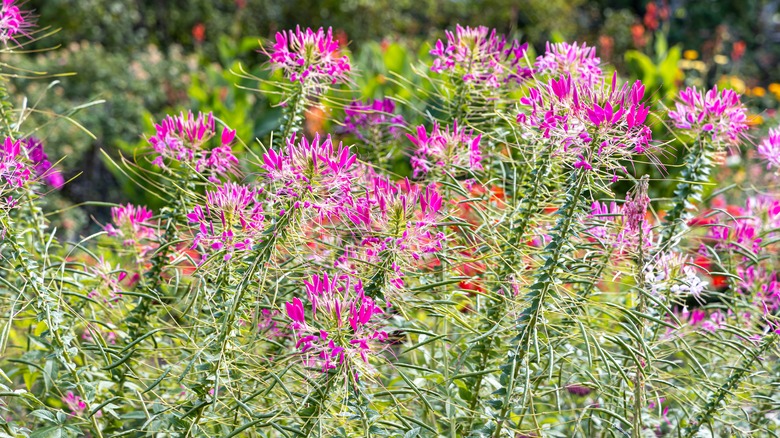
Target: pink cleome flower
(480, 56)
(364, 118)
(129, 223)
(341, 329)
(769, 149)
(185, 138)
(445, 149)
(14, 166)
(592, 126)
(719, 115)
(564, 59)
(309, 55)
(231, 220)
(315, 176)
(41, 164)
(13, 22)
(398, 220)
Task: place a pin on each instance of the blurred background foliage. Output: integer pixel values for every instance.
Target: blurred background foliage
(142, 59)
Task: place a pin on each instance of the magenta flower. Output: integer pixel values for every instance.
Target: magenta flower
(719, 115)
(232, 220)
(74, 403)
(450, 150)
(13, 22)
(309, 56)
(367, 121)
(266, 323)
(769, 149)
(342, 329)
(593, 126)
(185, 139)
(398, 222)
(314, 176)
(564, 59)
(478, 55)
(108, 279)
(14, 168)
(41, 164)
(129, 223)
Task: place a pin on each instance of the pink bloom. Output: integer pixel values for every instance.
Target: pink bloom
(480, 56)
(564, 59)
(341, 329)
(445, 148)
(41, 164)
(591, 126)
(185, 139)
(364, 119)
(14, 168)
(769, 149)
(129, 222)
(231, 220)
(309, 56)
(74, 403)
(398, 221)
(13, 22)
(313, 176)
(719, 115)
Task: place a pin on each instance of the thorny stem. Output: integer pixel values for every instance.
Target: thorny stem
(528, 209)
(158, 263)
(698, 164)
(639, 378)
(262, 257)
(539, 290)
(44, 303)
(729, 386)
(293, 113)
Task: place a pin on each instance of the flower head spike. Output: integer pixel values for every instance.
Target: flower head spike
(719, 115)
(368, 120)
(14, 167)
(186, 138)
(577, 61)
(232, 220)
(129, 223)
(398, 222)
(342, 328)
(313, 175)
(446, 149)
(478, 55)
(41, 164)
(769, 149)
(14, 22)
(592, 127)
(309, 56)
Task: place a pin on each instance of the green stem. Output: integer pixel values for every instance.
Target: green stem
(45, 302)
(528, 209)
(540, 290)
(262, 257)
(698, 165)
(294, 113)
(729, 386)
(313, 412)
(639, 378)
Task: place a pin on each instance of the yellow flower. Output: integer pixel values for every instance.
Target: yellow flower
(735, 83)
(690, 55)
(774, 87)
(755, 120)
(759, 91)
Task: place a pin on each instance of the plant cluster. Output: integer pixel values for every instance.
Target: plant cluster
(297, 286)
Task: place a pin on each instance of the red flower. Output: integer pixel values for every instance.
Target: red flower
(199, 33)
